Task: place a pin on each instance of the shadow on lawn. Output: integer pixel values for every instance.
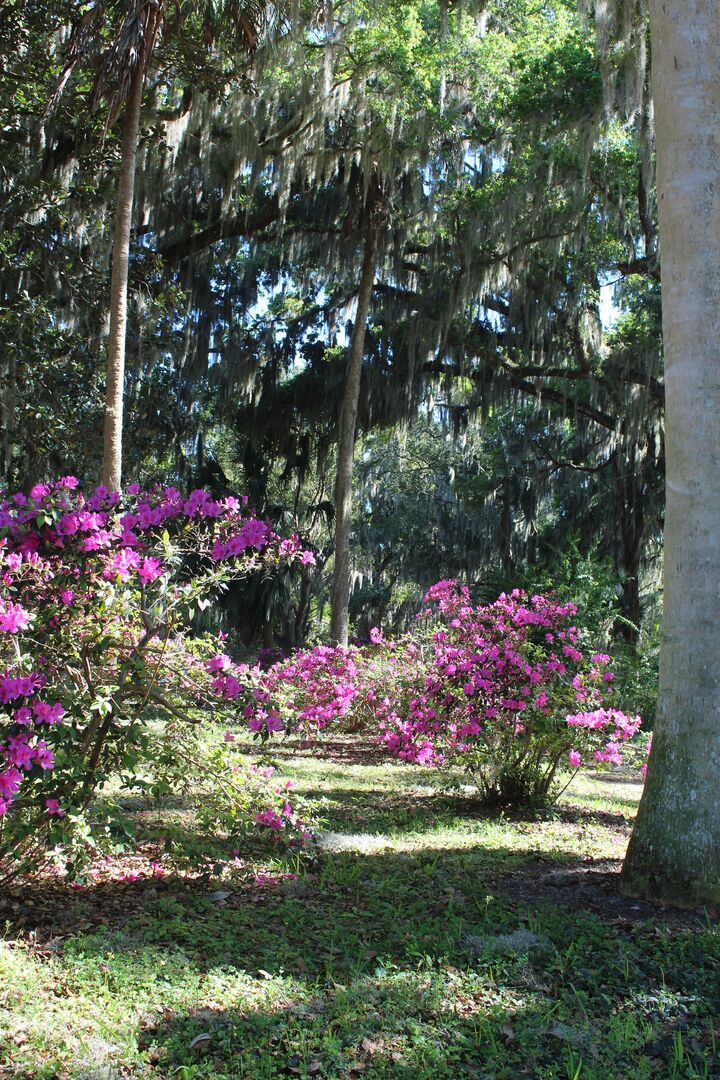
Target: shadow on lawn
(436, 956)
(473, 958)
(350, 751)
(358, 815)
(372, 1028)
(430, 1030)
(379, 900)
(457, 962)
(378, 810)
(424, 965)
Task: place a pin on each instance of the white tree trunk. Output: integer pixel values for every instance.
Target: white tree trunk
(675, 848)
(340, 596)
(112, 447)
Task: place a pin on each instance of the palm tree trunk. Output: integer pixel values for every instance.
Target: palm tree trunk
(112, 447)
(674, 852)
(340, 597)
(631, 517)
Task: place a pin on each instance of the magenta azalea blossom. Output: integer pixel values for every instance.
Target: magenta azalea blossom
(14, 618)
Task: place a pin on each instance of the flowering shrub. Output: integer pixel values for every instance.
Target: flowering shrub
(317, 689)
(506, 690)
(95, 594)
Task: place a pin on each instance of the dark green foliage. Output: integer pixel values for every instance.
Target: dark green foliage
(511, 199)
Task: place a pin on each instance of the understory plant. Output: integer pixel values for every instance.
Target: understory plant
(509, 692)
(102, 682)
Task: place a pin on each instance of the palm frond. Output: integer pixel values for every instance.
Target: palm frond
(118, 39)
(128, 53)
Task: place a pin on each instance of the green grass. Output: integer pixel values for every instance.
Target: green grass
(425, 940)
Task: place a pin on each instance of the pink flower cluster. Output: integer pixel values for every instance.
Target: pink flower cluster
(312, 690)
(13, 618)
(59, 514)
(500, 685)
(317, 688)
(232, 681)
(496, 687)
(280, 817)
(616, 724)
(21, 749)
(82, 578)
(449, 597)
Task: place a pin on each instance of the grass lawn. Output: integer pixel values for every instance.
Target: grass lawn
(425, 940)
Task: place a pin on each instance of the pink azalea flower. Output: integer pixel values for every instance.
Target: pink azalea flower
(13, 618)
(150, 570)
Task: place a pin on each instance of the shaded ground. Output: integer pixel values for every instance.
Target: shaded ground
(425, 940)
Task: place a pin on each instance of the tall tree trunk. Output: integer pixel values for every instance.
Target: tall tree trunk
(340, 597)
(674, 852)
(303, 612)
(631, 518)
(112, 447)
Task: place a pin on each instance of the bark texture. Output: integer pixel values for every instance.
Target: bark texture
(674, 852)
(112, 446)
(340, 597)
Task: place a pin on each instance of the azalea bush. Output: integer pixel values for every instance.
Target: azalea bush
(101, 680)
(313, 690)
(508, 691)
(328, 688)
